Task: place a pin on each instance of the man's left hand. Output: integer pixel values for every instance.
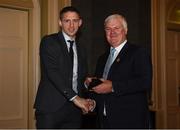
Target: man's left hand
(103, 88)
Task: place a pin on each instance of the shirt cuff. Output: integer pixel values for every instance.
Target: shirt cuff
(112, 90)
(86, 86)
(73, 98)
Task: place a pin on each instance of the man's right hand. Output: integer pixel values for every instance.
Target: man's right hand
(86, 105)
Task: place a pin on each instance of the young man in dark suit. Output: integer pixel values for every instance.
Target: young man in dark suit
(58, 102)
(126, 74)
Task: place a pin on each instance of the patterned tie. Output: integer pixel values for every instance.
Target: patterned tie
(109, 63)
(71, 53)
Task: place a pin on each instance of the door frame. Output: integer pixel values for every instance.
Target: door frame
(34, 69)
(158, 22)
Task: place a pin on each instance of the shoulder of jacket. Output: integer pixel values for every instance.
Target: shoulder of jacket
(49, 40)
(50, 36)
(138, 50)
(134, 47)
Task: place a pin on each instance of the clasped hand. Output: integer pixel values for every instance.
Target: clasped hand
(86, 105)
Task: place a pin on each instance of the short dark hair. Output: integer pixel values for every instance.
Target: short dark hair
(68, 9)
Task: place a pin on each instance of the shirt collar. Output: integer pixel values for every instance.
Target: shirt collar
(118, 48)
(66, 37)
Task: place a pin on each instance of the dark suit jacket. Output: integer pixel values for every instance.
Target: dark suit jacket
(131, 76)
(55, 88)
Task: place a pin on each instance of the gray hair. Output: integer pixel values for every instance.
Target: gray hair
(124, 22)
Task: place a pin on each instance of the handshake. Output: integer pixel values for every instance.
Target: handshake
(86, 105)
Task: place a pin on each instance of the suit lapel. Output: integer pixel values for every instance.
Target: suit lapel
(64, 49)
(122, 54)
(63, 44)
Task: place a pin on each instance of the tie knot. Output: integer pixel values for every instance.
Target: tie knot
(71, 42)
(112, 51)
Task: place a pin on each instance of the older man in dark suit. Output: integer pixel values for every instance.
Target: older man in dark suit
(63, 69)
(126, 74)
